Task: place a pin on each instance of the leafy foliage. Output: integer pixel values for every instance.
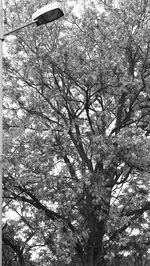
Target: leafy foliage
(76, 120)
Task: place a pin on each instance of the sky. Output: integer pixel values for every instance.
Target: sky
(80, 5)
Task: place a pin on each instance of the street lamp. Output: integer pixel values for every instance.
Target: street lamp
(42, 16)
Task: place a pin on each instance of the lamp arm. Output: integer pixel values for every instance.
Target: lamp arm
(18, 28)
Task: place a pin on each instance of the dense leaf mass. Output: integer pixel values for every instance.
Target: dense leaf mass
(77, 136)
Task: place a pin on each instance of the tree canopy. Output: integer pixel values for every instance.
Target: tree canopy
(77, 136)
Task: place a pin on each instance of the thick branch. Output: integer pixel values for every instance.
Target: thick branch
(120, 112)
(36, 203)
(80, 150)
(139, 211)
(16, 248)
(134, 215)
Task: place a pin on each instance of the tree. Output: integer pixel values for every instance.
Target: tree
(77, 129)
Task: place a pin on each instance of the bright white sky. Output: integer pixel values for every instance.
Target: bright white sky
(80, 5)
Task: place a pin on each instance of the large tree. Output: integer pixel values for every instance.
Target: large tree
(77, 135)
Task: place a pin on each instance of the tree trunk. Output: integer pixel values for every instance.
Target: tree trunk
(21, 260)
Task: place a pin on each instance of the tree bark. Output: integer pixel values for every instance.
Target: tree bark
(16, 248)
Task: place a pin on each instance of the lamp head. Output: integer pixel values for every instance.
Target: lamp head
(47, 14)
